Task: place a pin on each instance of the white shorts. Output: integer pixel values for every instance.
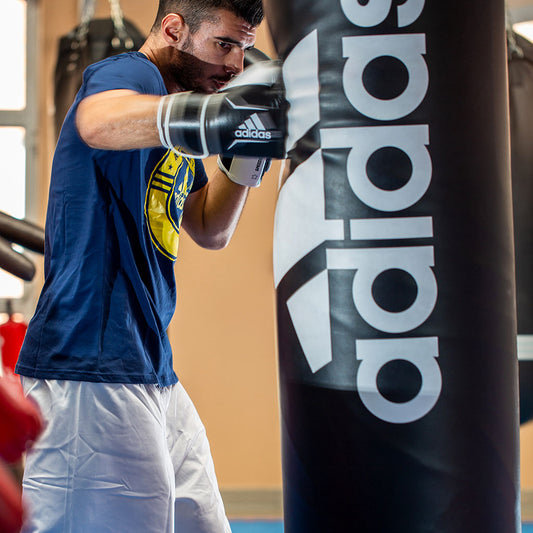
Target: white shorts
(117, 458)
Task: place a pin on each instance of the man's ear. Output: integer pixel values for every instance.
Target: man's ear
(173, 28)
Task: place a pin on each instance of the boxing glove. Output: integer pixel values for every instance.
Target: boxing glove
(246, 170)
(20, 418)
(253, 56)
(247, 118)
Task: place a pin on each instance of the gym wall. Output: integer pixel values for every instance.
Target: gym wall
(223, 333)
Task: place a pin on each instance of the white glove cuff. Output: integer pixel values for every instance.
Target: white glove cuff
(246, 171)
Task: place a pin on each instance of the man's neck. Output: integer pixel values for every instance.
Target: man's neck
(159, 54)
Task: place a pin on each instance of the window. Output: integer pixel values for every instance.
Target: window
(18, 125)
(521, 18)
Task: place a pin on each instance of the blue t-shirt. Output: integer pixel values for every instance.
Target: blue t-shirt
(112, 234)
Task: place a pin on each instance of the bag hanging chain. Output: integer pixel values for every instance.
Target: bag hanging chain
(513, 50)
(87, 14)
(117, 16)
(78, 36)
(118, 21)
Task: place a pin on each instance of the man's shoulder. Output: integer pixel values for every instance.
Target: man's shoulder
(130, 70)
(127, 60)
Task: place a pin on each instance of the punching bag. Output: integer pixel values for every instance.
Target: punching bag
(520, 57)
(12, 333)
(394, 269)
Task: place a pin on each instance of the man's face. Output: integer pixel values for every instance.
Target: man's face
(208, 59)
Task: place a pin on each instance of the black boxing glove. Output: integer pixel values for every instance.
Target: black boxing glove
(246, 171)
(247, 118)
(253, 56)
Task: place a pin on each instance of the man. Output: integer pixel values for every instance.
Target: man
(124, 449)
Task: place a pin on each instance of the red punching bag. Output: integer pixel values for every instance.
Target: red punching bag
(20, 419)
(12, 335)
(20, 424)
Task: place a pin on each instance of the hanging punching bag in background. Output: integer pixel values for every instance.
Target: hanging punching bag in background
(12, 333)
(394, 268)
(520, 57)
(91, 41)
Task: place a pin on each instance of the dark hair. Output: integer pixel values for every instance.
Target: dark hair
(194, 12)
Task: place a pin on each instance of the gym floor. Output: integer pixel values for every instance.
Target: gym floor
(270, 526)
(245, 526)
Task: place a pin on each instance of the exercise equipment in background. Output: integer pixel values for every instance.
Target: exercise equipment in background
(90, 41)
(20, 425)
(20, 419)
(25, 234)
(12, 333)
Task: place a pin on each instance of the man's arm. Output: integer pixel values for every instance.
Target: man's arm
(118, 120)
(246, 119)
(211, 214)
(124, 120)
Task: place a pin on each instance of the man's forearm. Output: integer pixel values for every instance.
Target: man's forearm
(212, 213)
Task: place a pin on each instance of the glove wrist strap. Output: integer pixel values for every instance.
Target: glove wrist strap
(182, 124)
(247, 171)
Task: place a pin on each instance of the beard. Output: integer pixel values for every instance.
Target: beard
(191, 73)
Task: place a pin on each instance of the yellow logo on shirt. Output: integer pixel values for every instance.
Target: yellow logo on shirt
(169, 183)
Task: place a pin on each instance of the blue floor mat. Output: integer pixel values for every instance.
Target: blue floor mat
(249, 526)
(245, 526)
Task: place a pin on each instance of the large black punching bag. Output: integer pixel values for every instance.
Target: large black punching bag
(394, 269)
(520, 56)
